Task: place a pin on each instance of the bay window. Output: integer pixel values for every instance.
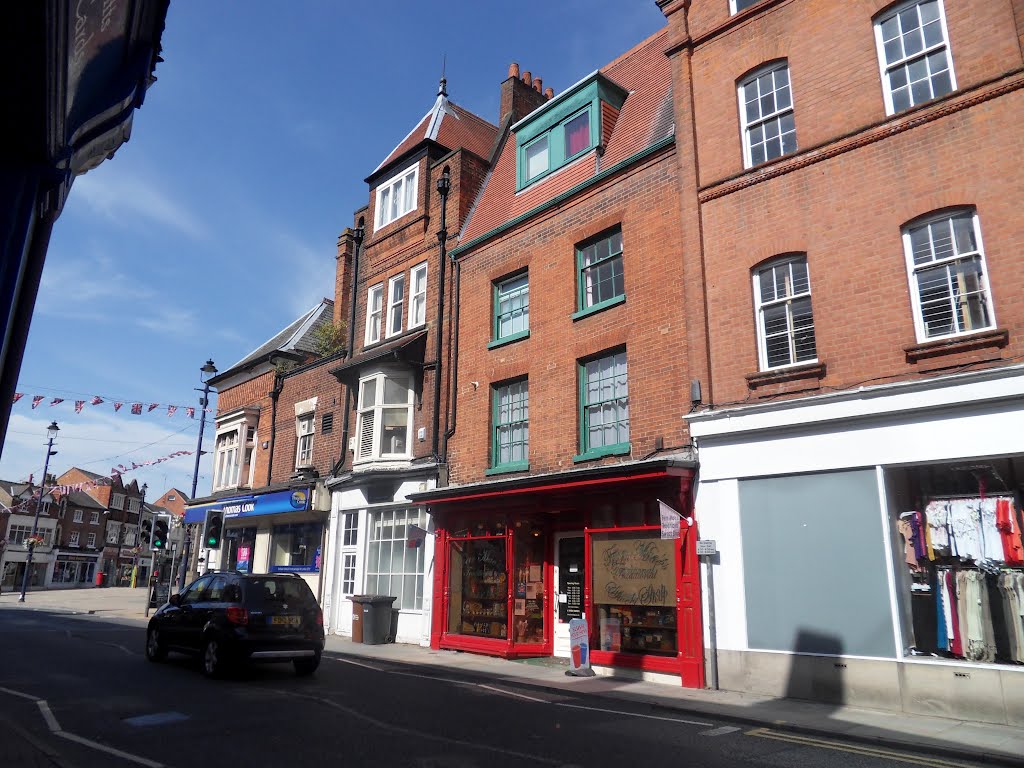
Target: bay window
(384, 428)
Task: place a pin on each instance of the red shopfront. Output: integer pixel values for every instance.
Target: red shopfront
(516, 560)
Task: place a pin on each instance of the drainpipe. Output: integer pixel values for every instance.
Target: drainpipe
(453, 369)
(358, 237)
(274, 394)
(444, 185)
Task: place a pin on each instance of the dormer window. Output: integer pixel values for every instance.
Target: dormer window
(564, 129)
(397, 196)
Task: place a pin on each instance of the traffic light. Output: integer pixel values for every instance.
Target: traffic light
(160, 533)
(146, 532)
(213, 529)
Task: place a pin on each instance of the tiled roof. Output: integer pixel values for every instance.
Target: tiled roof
(450, 126)
(82, 499)
(297, 336)
(646, 118)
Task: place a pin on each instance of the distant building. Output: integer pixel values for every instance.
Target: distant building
(18, 506)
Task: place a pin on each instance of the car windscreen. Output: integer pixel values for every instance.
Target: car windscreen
(270, 594)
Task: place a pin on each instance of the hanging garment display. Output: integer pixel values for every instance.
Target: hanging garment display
(1006, 524)
(950, 602)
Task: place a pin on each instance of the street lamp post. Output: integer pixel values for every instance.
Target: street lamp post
(206, 373)
(51, 434)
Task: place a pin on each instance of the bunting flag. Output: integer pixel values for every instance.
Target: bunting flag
(56, 401)
(17, 397)
(96, 400)
(136, 408)
(152, 407)
(171, 409)
(36, 400)
(79, 405)
(191, 412)
(117, 407)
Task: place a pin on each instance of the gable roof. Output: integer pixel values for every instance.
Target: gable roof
(450, 126)
(646, 118)
(297, 336)
(83, 499)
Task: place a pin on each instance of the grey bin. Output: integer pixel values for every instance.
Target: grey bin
(373, 612)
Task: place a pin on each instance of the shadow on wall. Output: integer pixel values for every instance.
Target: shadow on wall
(816, 673)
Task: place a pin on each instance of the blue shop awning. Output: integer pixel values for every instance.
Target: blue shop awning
(295, 500)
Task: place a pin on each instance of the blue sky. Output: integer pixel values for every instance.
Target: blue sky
(215, 225)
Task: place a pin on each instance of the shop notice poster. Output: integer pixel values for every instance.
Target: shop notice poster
(579, 649)
(635, 572)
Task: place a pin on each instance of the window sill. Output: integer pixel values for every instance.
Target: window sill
(599, 307)
(508, 339)
(505, 469)
(997, 337)
(621, 449)
(793, 378)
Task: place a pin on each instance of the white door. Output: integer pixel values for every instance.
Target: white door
(570, 579)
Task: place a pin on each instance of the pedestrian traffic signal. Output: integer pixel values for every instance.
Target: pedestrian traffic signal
(160, 533)
(213, 529)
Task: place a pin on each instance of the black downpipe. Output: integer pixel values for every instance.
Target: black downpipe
(358, 237)
(444, 185)
(453, 368)
(274, 394)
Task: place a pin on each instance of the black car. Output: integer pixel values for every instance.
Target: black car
(226, 618)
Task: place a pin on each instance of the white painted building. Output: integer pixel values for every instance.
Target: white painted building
(818, 590)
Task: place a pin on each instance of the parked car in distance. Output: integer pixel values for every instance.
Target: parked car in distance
(227, 618)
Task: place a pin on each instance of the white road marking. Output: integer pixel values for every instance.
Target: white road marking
(632, 714)
(356, 664)
(719, 731)
(512, 693)
(28, 696)
(109, 750)
(51, 721)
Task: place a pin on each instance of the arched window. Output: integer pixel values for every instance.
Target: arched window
(913, 53)
(766, 114)
(785, 324)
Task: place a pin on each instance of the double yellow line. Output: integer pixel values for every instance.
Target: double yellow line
(885, 754)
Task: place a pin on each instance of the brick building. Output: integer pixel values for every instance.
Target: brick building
(566, 436)
(276, 440)
(80, 540)
(853, 222)
(18, 503)
(392, 276)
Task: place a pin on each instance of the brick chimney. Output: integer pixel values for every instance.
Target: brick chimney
(519, 96)
(343, 275)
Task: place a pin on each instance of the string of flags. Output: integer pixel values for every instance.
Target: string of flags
(117, 471)
(135, 407)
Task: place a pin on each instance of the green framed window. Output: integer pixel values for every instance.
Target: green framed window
(604, 406)
(512, 308)
(565, 128)
(599, 275)
(510, 434)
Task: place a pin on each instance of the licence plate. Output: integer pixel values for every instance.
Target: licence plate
(288, 621)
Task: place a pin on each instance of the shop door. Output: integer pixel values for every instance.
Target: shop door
(570, 577)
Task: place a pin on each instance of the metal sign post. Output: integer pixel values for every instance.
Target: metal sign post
(706, 549)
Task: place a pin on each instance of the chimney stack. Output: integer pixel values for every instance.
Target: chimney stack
(521, 95)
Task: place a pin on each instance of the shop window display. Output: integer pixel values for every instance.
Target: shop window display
(478, 583)
(528, 597)
(634, 592)
(960, 553)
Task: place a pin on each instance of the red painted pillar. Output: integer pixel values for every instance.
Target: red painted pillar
(688, 597)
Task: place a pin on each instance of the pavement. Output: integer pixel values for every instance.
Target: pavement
(961, 739)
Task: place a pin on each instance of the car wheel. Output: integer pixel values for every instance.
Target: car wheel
(212, 659)
(304, 667)
(155, 648)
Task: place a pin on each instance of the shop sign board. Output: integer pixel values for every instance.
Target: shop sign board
(706, 547)
(579, 647)
(635, 571)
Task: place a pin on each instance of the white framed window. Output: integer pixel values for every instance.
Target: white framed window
(113, 532)
(226, 460)
(117, 501)
(396, 304)
(397, 196)
(782, 303)
(350, 529)
(131, 535)
(766, 111)
(73, 542)
(348, 573)
(384, 428)
(392, 566)
(418, 295)
(94, 518)
(374, 313)
(949, 287)
(304, 428)
(537, 158)
(90, 541)
(913, 54)
(79, 516)
(735, 6)
(133, 506)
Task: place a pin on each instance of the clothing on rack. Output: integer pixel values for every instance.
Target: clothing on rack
(907, 532)
(950, 601)
(941, 628)
(1009, 532)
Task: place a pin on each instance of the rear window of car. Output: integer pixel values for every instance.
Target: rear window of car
(265, 593)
